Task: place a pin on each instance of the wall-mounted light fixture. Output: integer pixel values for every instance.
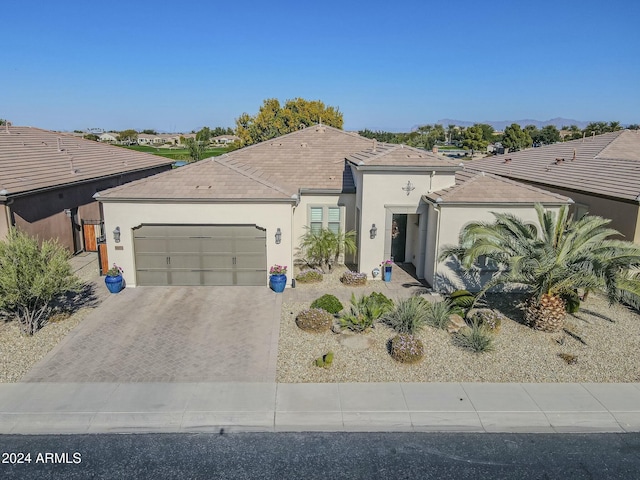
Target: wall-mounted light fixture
(373, 232)
(278, 236)
(116, 235)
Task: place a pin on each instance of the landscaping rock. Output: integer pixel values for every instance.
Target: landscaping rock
(356, 342)
(456, 323)
(336, 328)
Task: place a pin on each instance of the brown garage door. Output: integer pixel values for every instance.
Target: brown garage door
(200, 255)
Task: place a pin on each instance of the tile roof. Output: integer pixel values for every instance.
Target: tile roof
(479, 187)
(216, 178)
(606, 165)
(309, 159)
(392, 155)
(33, 159)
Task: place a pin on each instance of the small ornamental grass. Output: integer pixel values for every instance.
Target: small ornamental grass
(329, 303)
(309, 276)
(409, 315)
(477, 338)
(406, 348)
(354, 278)
(314, 320)
(438, 314)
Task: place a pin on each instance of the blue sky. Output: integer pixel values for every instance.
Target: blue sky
(177, 66)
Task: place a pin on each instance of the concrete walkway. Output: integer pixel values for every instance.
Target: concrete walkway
(43, 408)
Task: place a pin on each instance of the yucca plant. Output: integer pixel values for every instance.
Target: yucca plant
(566, 256)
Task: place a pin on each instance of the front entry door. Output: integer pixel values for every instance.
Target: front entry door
(398, 237)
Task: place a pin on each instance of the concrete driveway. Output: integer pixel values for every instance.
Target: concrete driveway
(171, 334)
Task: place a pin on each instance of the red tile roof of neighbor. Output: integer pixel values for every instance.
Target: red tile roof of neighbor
(606, 165)
(34, 159)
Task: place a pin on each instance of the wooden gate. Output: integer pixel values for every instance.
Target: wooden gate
(91, 231)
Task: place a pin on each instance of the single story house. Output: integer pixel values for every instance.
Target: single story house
(48, 179)
(600, 173)
(225, 139)
(108, 137)
(225, 220)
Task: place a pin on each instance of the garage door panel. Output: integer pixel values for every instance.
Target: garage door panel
(218, 245)
(151, 261)
(200, 255)
(149, 245)
(152, 278)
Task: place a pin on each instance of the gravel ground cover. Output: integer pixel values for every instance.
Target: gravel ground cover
(604, 340)
(19, 352)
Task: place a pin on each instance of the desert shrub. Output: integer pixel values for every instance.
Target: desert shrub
(309, 276)
(329, 303)
(314, 320)
(406, 348)
(476, 338)
(354, 278)
(32, 277)
(438, 314)
(492, 319)
(462, 301)
(409, 315)
(381, 300)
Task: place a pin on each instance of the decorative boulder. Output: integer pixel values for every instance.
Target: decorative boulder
(456, 323)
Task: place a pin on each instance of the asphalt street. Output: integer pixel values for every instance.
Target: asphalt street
(322, 455)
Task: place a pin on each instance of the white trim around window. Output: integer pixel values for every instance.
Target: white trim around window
(325, 216)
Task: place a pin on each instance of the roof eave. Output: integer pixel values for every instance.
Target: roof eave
(193, 200)
(444, 202)
(406, 168)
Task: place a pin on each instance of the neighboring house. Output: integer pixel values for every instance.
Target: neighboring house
(225, 220)
(601, 174)
(108, 137)
(145, 139)
(48, 179)
(225, 139)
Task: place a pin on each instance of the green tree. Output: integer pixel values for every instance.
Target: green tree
(128, 137)
(149, 132)
(549, 135)
(32, 277)
(204, 135)
(91, 136)
(554, 263)
(473, 139)
(324, 247)
(274, 120)
(196, 149)
(488, 132)
(515, 138)
(633, 126)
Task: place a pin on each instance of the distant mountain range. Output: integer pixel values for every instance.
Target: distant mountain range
(501, 125)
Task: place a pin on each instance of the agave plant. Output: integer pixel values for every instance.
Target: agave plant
(566, 256)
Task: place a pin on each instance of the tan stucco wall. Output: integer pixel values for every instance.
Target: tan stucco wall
(625, 217)
(453, 219)
(4, 221)
(301, 213)
(382, 195)
(130, 215)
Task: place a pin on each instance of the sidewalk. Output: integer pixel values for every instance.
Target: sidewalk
(74, 408)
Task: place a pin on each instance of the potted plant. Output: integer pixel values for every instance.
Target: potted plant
(278, 278)
(113, 279)
(386, 269)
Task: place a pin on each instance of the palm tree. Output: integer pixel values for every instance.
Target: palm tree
(324, 247)
(566, 256)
